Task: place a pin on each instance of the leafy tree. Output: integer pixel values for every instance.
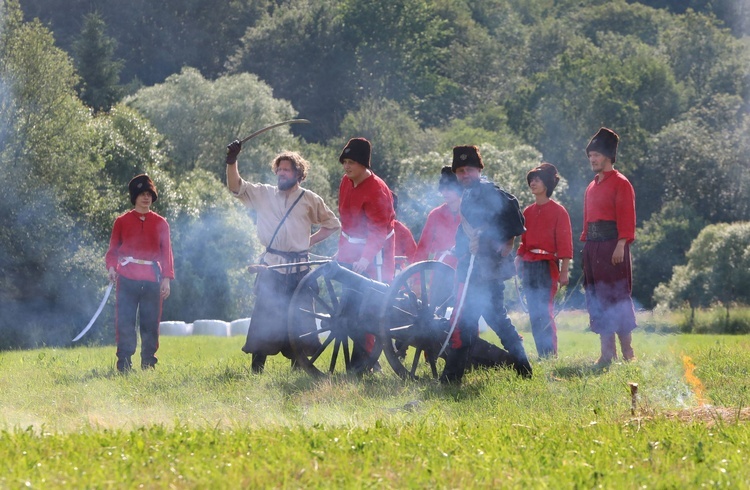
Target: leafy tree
(100, 74)
(691, 161)
(661, 245)
(705, 57)
(199, 118)
(157, 39)
(391, 131)
(279, 49)
(717, 270)
(46, 174)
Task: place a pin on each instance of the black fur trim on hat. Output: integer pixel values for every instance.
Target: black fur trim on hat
(605, 142)
(466, 156)
(448, 180)
(357, 149)
(547, 173)
(139, 184)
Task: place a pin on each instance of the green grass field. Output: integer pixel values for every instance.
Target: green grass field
(203, 420)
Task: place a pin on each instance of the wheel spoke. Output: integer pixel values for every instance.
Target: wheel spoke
(423, 283)
(415, 363)
(332, 294)
(433, 366)
(401, 327)
(347, 357)
(313, 314)
(320, 350)
(317, 299)
(334, 356)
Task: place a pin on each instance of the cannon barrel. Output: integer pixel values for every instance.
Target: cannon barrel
(355, 281)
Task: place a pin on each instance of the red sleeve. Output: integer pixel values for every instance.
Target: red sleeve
(563, 235)
(522, 247)
(115, 240)
(585, 213)
(379, 218)
(424, 247)
(405, 244)
(625, 210)
(165, 246)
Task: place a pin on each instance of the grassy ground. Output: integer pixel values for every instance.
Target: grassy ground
(203, 420)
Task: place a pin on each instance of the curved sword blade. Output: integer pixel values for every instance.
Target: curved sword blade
(261, 131)
(96, 315)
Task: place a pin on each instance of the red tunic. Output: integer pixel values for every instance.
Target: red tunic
(146, 239)
(367, 216)
(438, 235)
(547, 229)
(611, 199)
(405, 244)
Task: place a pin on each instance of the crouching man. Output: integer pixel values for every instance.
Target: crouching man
(490, 220)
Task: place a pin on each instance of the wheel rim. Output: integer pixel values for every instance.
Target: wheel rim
(323, 326)
(413, 319)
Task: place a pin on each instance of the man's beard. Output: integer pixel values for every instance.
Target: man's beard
(285, 185)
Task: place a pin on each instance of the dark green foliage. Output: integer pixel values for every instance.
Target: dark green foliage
(156, 39)
(100, 74)
(662, 244)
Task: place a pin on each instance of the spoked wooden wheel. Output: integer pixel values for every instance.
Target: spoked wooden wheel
(327, 330)
(414, 319)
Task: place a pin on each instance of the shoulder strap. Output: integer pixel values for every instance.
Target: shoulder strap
(285, 217)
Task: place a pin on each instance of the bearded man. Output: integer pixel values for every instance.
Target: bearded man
(286, 215)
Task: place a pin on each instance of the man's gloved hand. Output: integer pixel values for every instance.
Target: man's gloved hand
(233, 149)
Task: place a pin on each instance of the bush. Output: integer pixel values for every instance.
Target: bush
(715, 321)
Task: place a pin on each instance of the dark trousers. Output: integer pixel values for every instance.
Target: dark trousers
(268, 333)
(540, 290)
(137, 301)
(608, 289)
(485, 298)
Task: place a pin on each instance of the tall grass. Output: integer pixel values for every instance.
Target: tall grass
(203, 420)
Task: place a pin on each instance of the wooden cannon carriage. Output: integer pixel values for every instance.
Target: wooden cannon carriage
(342, 322)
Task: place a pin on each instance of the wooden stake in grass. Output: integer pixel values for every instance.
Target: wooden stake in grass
(633, 396)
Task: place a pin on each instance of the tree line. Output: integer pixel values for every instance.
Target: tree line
(94, 93)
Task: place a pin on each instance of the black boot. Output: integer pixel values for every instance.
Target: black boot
(259, 363)
(455, 366)
(520, 361)
(124, 365)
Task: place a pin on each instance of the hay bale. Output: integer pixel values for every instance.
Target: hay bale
(178, 329)
(239, 327)
(216, 328)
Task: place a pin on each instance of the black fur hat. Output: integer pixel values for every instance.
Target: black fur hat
(464, 156)
(448, 180)
(357, 149)
(605, 142)
(139, 184)
(547, 173)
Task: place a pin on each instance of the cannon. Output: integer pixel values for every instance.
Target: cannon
(342, 322)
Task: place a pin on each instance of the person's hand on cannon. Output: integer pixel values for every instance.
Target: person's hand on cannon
(233, 149)
(360, 265)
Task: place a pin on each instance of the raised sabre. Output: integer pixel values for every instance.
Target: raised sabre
(267, 128)
(96, 315)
